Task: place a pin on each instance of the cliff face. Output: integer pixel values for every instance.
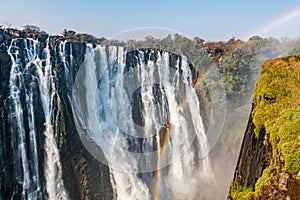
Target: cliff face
(269, 163)
(254, 157)
(42, 155)
(25, 129)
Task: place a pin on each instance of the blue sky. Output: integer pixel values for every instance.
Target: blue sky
(211, 20)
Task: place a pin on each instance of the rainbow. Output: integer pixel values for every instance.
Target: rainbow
(264, 29)
(157, 172)
(160, 161)
(278, 21)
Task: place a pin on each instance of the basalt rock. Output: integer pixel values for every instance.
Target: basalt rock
(254, 156)
(84, 177)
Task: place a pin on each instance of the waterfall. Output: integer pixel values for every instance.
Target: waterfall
(30, 181)
(126, 103)
(53, 168)
(30, 71)
(135, 110)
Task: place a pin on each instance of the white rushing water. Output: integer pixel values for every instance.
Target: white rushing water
(16, 82)
(43, 68)
(53, 168)
(125, 109)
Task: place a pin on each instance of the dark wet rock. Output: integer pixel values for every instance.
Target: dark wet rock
(84, 177)
(1, 38)
(254, 156)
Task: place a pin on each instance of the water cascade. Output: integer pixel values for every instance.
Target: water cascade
(140, 108)
(32, 73)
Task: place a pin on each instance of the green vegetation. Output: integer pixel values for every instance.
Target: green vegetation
(31, 28)
(285, 139)
(81, 37)
(239, 70)
(263, 181)
(178, 44)
(239, 192)
(237, 62)
(277, 109)
(277, 90)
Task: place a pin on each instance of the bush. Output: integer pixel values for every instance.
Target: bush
(239, 192)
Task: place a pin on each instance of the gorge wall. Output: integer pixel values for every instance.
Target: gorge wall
(42, 155)
(269, 163)
(36, 124)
